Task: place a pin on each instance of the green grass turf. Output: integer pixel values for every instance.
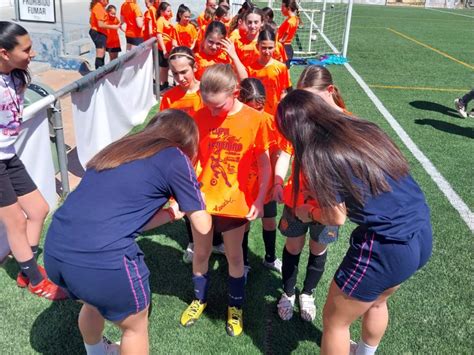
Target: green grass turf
(432, 312)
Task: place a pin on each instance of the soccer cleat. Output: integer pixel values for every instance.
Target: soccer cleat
(109, 347)
(188, 254)
(285, 306)
(235, 324)
(47, 289)
(275, 265)
(352, 347)
(23, 281)
(218, 249)
(460, 107)
(307, 307)
(192, 313)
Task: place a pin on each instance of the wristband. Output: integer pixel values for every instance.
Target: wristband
(170, 212)
(310, 213)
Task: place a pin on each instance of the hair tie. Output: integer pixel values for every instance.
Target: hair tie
(182, 54)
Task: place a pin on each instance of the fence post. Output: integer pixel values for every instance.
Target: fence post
(60, 146)
(156, 66)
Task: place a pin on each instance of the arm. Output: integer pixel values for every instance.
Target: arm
(164, 216)
(329, 216)
(161, 43)
(103, 25)
(139, 21)
(264, 171)
(229, 47)
(281, 169)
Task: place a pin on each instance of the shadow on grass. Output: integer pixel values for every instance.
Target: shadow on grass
(434, 106)
(447, 127)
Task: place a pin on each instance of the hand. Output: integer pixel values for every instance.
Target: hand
(278, 193)
(256, 211)
(229, 47)
(304, 213)
(177, 213)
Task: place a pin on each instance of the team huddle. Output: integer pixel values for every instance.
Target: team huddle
(231, 141)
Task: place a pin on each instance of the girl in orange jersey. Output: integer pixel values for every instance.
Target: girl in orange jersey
(149, 19)
(166, 41)
(246, 46)
(186, 33)
(287, 30)
(317, 80)
(252, 93)
(99, 28)
(222, 14)
(231, 135)
(215, 48)
(113, 41)
(133, 19)
(273, 74)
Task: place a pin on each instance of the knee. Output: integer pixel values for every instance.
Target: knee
(235, 259)
(39, 213)
(294, 245)
(269, 224)
(16, 223)
(201, 256)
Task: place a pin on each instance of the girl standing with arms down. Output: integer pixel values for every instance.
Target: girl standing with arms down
(232, 135)
(99, 29)
(287, 30)
(113, 40)
(166, 41)
(90, 247)
(186, 33)
(132, 17)
(22, 207)
(355, 171)
(317, 80)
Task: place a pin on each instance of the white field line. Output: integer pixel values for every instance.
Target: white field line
(455, 200)
(448, 12)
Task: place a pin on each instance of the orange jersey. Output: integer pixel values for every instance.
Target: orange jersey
(288, 28)
(113, 40)
(201, 20)
(246, 50)
(186, 35)
(280, 53)
(130, 11)
(227, 149)
(234, 35)
(167, 31)
(178, 99)
(98, 13)
(149, 23)
(203, 61)
(275, 77)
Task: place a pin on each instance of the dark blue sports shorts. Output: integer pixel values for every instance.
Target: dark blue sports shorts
(115, 293)
(373, 264)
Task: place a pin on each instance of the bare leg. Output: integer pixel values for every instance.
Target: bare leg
(91, 324)
(202, 253)
(15, 224)
(36, 209)
(233, 251)
(135, 334)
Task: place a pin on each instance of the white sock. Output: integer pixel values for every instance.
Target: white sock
(364, 349)
(96, 349)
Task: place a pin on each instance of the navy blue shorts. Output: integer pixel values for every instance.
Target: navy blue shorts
(373, 264)
(292, 227)
(115, 293)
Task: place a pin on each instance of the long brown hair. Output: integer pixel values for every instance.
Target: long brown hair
(333, 148)
(168, 128)
(319, 78)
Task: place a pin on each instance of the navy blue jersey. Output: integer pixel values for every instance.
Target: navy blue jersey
(394, 215)
(97, 224)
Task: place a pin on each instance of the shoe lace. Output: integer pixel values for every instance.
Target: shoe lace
(235, 316)
(194, 308)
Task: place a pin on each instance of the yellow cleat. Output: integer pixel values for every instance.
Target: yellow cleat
(192, 313)
(235, 324)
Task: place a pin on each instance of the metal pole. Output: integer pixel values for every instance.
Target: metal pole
(323, 18)
(156, 66)
(62, 26)
(60, 147)
(16, 5)
(311, 32)
(348, 28)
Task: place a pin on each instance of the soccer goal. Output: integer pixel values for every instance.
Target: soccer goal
(324, 28)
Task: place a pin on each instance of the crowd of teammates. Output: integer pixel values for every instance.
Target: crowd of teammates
(227, 132)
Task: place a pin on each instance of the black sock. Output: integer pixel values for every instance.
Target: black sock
(217, 239)
(314, 271)
(30, 269)
(289, 271)
(34, 249)
(245, 248)
(99, 62)
(269, 238)
(188, 228)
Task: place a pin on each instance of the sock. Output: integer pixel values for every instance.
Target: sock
(245, 248)
(96, 349)
(34, 249)
(269, 238)
(99, 62)
(217, 239)
(289, 272)
(201, 284)
(30, 269)
(189, 230)
(314, 271)
(236, 291)
(364, 349)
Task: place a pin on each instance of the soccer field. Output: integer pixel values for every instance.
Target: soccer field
(416, 61)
